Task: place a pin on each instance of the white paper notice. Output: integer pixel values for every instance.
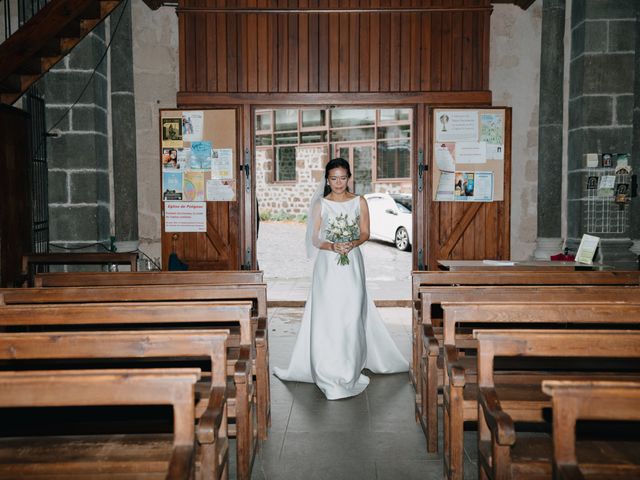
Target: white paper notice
(185, 217)
(587, 249)
(192, 126)
(445, 187)
(456, 125)
(221, 190)
(471, 152)
(222, 163)
(483, 189)
(445, 153)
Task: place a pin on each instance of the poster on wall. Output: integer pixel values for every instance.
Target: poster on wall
(171, 186)
(193, 187)
(221, 190)
(456, 126)
(221, 163)
(192, 123)
(185, 217)
(492, 133)
(200, 158)
(172, 132)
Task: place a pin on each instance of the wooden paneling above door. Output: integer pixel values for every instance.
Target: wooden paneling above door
(320, 46)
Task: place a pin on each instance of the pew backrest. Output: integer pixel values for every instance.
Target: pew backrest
(257, 293)
(173, 387)
(551, 343)
(587, 400)
(83, 279)
(542, 312)
(120, 344)
(435, 278)
(129, 313)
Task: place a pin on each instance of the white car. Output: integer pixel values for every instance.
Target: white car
(391, 218)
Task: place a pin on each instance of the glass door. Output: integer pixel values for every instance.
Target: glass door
(360, 157)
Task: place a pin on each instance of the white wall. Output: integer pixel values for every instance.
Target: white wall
(515, 82)
(155, 75)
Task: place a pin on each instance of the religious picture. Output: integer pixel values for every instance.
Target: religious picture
(172, 132)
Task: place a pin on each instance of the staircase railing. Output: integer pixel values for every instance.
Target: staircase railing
(16, 12)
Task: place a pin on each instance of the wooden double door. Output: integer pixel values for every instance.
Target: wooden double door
(442, 230)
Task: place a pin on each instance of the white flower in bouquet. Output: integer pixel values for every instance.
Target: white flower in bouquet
(342, 229)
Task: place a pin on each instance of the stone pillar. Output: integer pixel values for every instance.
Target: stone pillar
(634, 229)
(600, 110)
(123, 131)
(549, 240)
(78, 158)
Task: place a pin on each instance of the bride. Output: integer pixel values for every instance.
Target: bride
(342, 332)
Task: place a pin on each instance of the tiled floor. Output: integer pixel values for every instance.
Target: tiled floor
(371, 436)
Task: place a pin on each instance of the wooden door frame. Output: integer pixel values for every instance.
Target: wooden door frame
(247, 103)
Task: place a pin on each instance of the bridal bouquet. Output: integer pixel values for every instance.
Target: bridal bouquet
(341, 229)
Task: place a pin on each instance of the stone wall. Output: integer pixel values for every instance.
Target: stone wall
(514, 82)
(292, 198)
(92, 166)
(601, 102)
(79, 209)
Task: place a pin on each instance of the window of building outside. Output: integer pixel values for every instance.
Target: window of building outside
(388, 130)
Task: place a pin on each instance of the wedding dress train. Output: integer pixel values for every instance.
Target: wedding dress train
(341, 331)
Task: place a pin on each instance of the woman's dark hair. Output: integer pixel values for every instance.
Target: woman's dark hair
(335, 163)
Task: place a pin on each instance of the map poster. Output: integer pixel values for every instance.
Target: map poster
(193, 189)
(492, 132)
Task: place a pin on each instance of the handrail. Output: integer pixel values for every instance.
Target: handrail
(16, 12)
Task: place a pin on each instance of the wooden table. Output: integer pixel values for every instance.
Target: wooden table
(547, 265)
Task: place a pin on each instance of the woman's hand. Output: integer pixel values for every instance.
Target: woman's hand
(343, 247)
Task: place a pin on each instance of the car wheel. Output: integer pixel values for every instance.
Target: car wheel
(402, 239)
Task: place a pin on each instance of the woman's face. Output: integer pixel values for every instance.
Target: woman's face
(338, 179)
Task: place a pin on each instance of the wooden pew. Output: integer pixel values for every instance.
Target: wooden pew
(114, 279)
(256, 293)
(430, 378)
(141, 315)
(210, 407)
(501, 453)
(588, 400)
(76, 258)
(460, 390)
(61, 457)
(487, 278)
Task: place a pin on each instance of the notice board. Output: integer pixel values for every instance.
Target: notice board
(469, 153)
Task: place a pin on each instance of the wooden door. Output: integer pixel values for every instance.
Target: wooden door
(15, 215)
(219, 247)
(469, 230)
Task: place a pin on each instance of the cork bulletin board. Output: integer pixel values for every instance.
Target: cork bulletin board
(198, 158)
(468, 154)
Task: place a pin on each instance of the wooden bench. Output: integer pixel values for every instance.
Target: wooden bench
(192, 315)
(460, 389)
(60, 457)
(430, 377)
(501, 453)
(421, 278)
(115, 279)
(256, 293)
(76, 258)
(210, 406)
(591, 400)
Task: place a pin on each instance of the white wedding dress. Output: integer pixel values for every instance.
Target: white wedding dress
(341, 331)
